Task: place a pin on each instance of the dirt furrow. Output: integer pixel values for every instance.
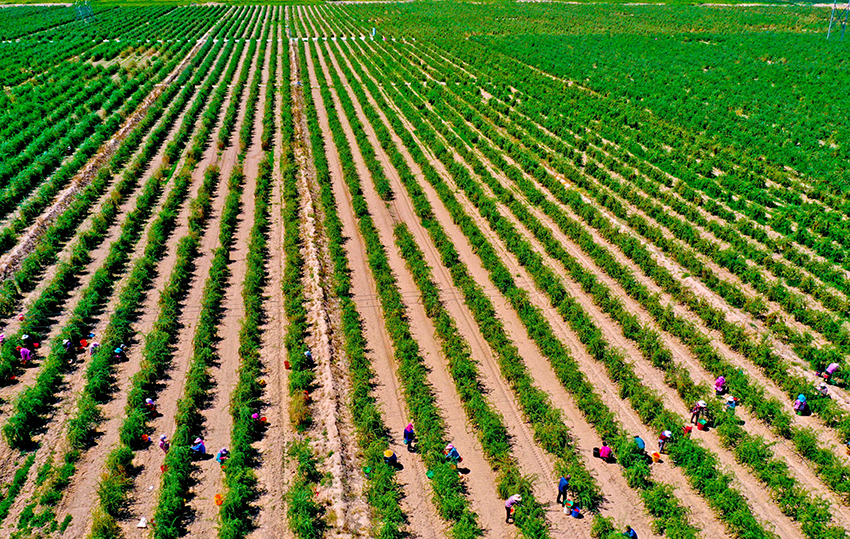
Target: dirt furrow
(533, 461)
(149, 461)
(83, 487)
(422, 517)
(53, 440)
(271, 521)
(702, 513)
(217, 418)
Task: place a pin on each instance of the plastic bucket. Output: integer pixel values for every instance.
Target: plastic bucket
(656, 457)
(576, 513)
(596, 452)
(701, 424)
(286, 364)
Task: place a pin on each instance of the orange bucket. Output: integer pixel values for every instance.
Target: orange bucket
(219, 499)
(656, 457)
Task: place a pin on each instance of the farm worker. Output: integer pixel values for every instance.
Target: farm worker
(452, 454)
(163, 443)
(605, 452)
(408, 435)
(150, 405)
(119, 352)
(697, 410)
(309, 356)
(2, 338)
(256, 417)
(390, 457)
(800, 404)
(509, 507)
(563, 487)
(84, 343)
(21, 317)
(222, 455)
(93, 348)
(640, 443)
(25, 356)
(823, 389)
(731, 402)
(718, 385)
(830, 370)
(67, 344)
(199, 446)
(630, 533)
(662, 440)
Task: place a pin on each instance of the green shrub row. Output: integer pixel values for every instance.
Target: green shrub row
(793, 501)
(171, 508)
(448, 491)
(247, 128)
(229, 122)
(37, 400)
(828, 466)
(730, 504)
(240, 479)
(492, 432)
(65, 227)
(87, 138)
(382, 492)
(658, 497)
(117, 481)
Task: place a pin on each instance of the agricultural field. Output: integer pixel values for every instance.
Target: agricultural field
(527, 229)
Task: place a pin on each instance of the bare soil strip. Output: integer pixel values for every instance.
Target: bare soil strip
(149, 461)
(702, 514)
(52, 442)
(217, 416)
(619, 497)
(271, 521)
(423, 519)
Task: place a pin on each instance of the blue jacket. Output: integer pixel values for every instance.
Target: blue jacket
(640, 443)
(563, 484)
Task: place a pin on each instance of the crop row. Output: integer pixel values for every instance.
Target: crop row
(229, 121)
(740, 516)
(774, 473)
(66, 225)
(451, 503)
(383, 492)
(176, 482)
(492, 431)
(98, 375)
(658, 498)
(769, 409)
(240, 479)
(117, 482)
(693, 168)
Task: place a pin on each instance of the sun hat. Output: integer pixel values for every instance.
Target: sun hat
(198, 441)
(702, 403)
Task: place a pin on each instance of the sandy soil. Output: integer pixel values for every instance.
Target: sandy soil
(83, 486)
(271, 522)
(53, 439)
(422, 517)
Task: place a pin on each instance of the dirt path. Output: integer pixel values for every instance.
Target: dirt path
(422, 517)
(54, 438)
(149, 461)
(217, 419)
(83, 487)
(271, 521)
(619, 498)
(824, 434)
(702, 514)
(533, 461)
